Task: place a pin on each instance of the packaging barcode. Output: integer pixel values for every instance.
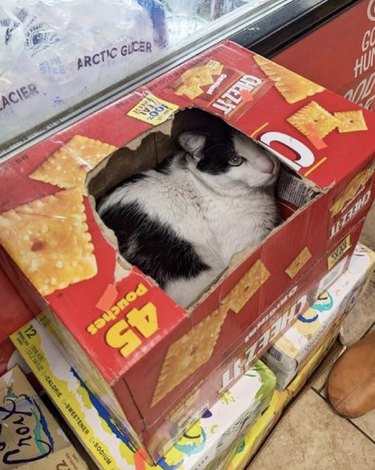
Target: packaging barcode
(292, 189)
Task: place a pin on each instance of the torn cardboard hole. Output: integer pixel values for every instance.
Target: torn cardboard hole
(151, 149)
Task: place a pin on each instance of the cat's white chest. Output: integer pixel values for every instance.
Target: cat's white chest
(218, 226)
(235, 224)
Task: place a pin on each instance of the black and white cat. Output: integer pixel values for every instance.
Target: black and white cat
(182, 222)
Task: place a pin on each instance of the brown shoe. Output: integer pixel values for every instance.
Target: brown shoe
(351, 384)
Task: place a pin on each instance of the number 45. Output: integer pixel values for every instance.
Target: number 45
(144, 320)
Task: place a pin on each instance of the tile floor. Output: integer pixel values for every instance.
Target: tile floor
(311, 436)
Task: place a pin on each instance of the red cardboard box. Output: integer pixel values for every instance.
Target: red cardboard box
(14, 313)
(148, 352)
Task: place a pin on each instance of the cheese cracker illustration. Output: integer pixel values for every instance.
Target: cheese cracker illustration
(68, 167)
(52, 247)
(290, 85)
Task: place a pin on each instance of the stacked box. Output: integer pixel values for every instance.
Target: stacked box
(344, 293)
(321, 321)
(123, 333)
(240, 455)
(30, 438)
(202, 446)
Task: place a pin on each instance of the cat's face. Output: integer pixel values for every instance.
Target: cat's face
(230, 159)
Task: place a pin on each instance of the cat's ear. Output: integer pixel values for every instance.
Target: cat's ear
(192, 143)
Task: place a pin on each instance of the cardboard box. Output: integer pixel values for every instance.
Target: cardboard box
(288, 355)
(278, 317)
(30, 438)
(202, 446)
(116, 321)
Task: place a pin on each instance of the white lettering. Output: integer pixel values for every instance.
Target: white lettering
(371, 10)
(348, 216)
(234, 371)
(277, 327)
(222, 105)
(363, 91)
(368, 39)
(233, 96)
(305, 156)
(216, 84)
(364, 63)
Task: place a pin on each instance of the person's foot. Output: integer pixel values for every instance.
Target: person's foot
(351, 384)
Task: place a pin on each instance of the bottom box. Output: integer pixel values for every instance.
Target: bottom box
(222, 369)
(202, 446)
(344, 293)
(40, 352)
(310, 330)
(241, 453)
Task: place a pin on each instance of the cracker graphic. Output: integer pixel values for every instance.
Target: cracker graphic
(290, 85)
(313, 119)
(197, 77)
(201, 75)
(351, 121)
(189, 353)
(52, 244)
(298, 263)
(215, 67)
(191, 91)
(351, 191)
(68, 166)
(248, 285)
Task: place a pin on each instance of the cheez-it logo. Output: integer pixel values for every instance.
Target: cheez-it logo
(237, 94)
(356, 185)
(351, 200)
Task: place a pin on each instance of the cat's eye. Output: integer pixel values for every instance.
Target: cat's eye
(236, 160)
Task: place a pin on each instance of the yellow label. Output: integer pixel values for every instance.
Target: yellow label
(153, 110)
(106, 444)
(339, 252)
(73, 401)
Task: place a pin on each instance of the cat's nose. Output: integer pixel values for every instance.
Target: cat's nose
(265, 165)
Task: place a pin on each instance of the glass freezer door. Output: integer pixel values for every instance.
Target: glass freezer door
(62, 59)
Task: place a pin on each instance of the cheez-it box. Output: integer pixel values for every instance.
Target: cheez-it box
(146, 357)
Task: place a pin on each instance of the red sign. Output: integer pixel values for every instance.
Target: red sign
(340, 55)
